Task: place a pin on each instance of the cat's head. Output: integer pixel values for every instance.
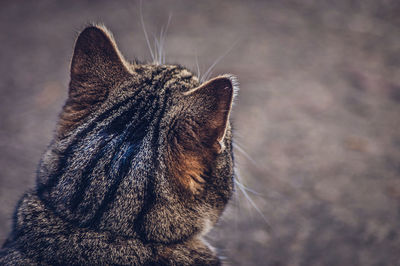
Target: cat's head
(140, 149)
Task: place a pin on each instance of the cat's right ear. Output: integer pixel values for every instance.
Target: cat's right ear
(96, 67)
(211, 103)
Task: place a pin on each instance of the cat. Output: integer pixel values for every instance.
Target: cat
(140, 167)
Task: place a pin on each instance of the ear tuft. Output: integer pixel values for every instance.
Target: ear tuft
(235, 84)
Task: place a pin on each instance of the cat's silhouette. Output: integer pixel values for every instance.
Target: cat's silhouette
(140, 167)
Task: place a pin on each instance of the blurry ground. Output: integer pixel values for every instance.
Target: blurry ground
(318, 111)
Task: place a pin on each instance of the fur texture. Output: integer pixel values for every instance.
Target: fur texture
(140, 166)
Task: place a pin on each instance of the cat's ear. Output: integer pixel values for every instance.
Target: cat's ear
(96, 67)
(212, 104)
(97, 59)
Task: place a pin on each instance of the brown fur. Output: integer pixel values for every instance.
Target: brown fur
(188, 168)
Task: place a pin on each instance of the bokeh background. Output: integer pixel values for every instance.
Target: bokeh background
(317, 118)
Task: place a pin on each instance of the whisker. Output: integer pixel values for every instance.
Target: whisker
(159, 50)
(244, 153)
(163, 38)
(254, 205)
(243, 189)
(161, 44)
(197, 66)
(144, 30)
(247, 188)
(208, 73)
(239, 181)
(156, 49)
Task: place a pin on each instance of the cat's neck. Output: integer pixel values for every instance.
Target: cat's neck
(47, 238)
(40, 229)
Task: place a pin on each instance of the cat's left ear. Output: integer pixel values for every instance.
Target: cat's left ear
(97, 67)
(212, 104)
(96, 58)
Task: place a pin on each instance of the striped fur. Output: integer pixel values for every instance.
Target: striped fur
(140, 166)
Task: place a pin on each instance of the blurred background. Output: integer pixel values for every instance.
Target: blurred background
(317, 118)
